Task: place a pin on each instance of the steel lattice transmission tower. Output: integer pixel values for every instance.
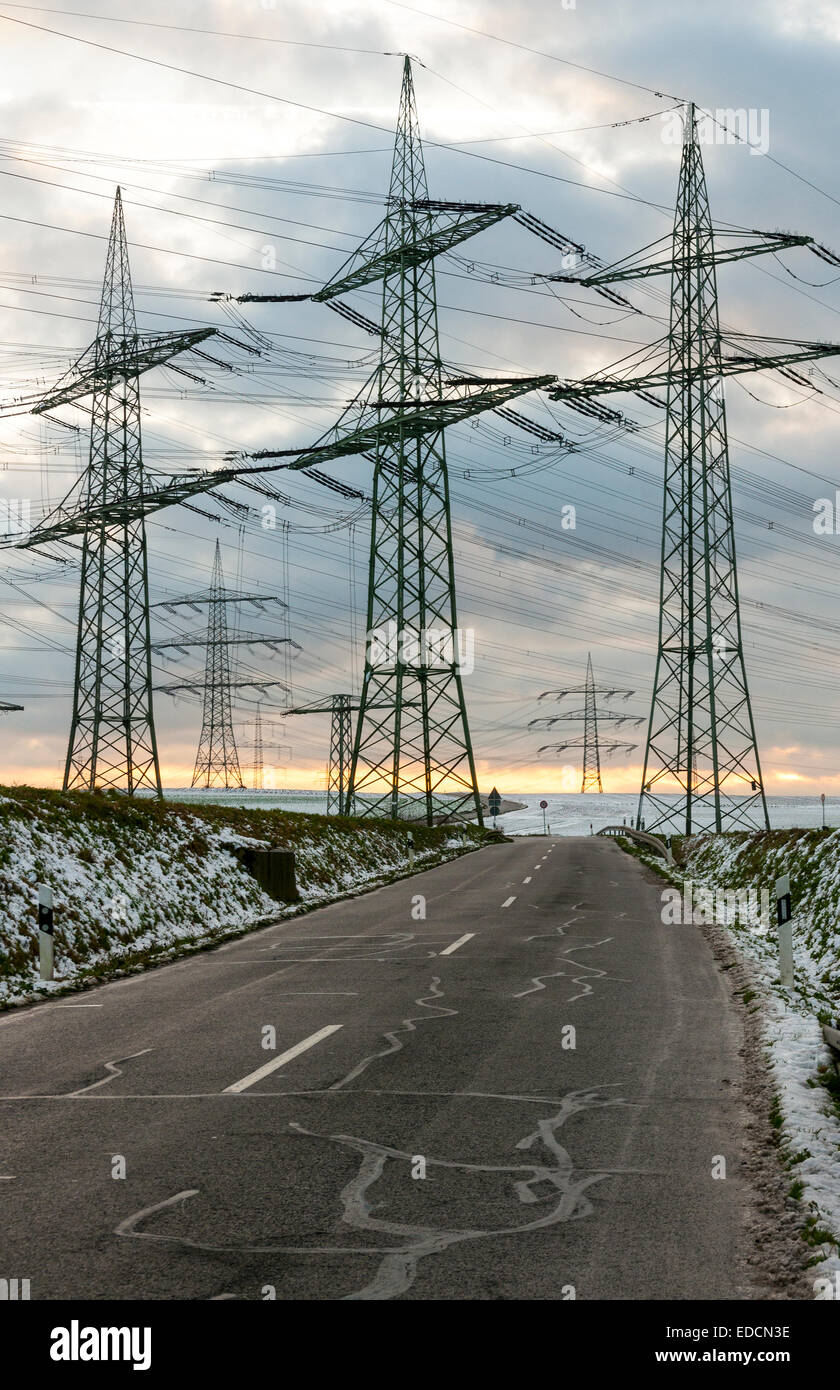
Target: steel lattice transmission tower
(701, 766)
(701, 735)
(412, 738)
(258, 750)
(591, 756)
(340, 707)
(589, 715)
(112, 732)
(217, 759)
(341, 750)
(264, 730)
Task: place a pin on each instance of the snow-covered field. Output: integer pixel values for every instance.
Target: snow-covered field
(567, 814)
(570, 814)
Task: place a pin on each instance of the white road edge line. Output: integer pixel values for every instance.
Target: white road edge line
(460, 942)
(284, 1057)
(507, 902)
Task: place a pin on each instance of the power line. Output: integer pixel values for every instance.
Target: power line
(537, 52)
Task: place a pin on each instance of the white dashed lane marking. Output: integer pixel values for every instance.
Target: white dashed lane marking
(507, 902)
(527, 880)
(462, 940)
(284, 1057)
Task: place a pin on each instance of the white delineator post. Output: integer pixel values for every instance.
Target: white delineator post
(45, 930)
(411, 849)
(783, 915)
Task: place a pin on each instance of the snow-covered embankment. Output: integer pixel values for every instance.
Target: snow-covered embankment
(135, 882)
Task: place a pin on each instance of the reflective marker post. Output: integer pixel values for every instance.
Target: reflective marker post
(411, 848)
(45, 930)
(783, 915)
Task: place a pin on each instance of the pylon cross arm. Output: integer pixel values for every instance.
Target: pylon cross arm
(409, 417)
(681, 376)
(711, 255)
(372, 261)
(414, 251)
(139, 354)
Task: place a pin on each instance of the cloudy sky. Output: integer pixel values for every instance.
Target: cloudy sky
(252, 142)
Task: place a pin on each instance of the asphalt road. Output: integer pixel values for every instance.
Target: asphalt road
(403, 1045)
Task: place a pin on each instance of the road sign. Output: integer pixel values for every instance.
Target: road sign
(543, 805)
(494, 802)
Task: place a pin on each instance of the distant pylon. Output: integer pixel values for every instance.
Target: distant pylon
(258, 750)
(701, 740)
(217, 760)
(341, 750)
(412, 741)
(591, 756)
(112, 732)
(341, 746)
(592, 748)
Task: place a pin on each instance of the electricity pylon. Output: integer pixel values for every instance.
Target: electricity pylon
(701, 741)
(412, 736)
(217, 759)
(258, 749)
(112, 733)
(591, 756)
(402, 759)
(589, 715)
(341, 708)
(263, 730)
(341, 746)
(701, 733)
